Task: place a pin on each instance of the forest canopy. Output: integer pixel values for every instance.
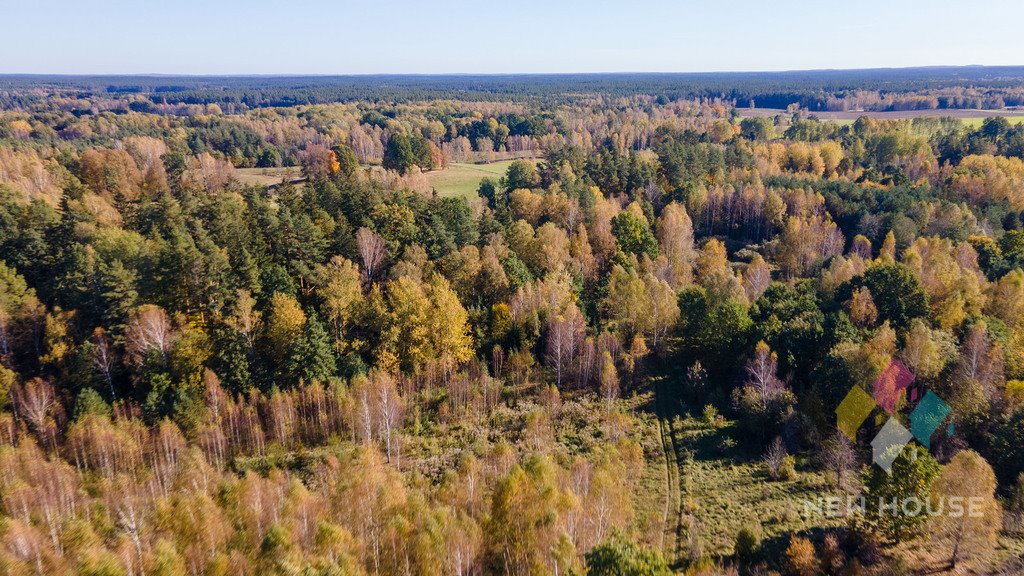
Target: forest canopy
(243, 330)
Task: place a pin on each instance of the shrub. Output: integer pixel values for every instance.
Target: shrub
(1014, 394)
(710, 415)
(620, 556)
(748, 543)
(801, 559)
(787, 471)
(726, 445)
(781, 466)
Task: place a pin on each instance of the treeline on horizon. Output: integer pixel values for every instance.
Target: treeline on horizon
(970, 87)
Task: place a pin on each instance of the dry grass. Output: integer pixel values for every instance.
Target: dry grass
(268, 176)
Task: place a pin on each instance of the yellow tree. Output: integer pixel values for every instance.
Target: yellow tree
(664, 307)
(149, 331)
(887, 254)
(627, 302)
(245, 318)
(284, 324)
(756, 278)
(862, 308)
(714, 274)
(609, 381)
(551, 248)
(524, 534)
(926, 351)
(407, 336)
(582, 255)
(675, 237)
(1007, 301)
(971, 516)
(950, 275)
(341, 290)
(564, 338)
(449, 330)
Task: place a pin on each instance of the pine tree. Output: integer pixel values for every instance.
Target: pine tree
(118, 295)
(311, 358)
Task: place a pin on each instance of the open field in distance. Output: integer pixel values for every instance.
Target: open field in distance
(268, 176)
(972, 118)
(463, 179)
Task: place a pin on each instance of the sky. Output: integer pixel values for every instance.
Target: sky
(487, 36)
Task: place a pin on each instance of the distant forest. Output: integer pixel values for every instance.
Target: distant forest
(987, 87)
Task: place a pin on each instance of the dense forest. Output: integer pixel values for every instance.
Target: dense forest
(622, 357)
(926, 88)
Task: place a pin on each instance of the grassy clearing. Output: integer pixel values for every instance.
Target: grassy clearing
(715, 486)
(725, 489)
(970, 118)
(976, 122)
(464, 179)
(267, 176)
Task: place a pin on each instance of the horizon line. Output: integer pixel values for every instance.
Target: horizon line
(495, 74)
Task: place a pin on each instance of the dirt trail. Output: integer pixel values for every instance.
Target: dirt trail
(673, 537)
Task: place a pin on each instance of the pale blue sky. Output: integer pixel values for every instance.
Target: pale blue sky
(483, 36)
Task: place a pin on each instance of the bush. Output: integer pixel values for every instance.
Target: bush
(620, 556)
(781, 466)
(801, 559)
(748, 543)
(899, 567)
(726, 445)
(710, 415)
(787, 471)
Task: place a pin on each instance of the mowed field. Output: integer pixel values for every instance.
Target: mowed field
(972, 118)
(464, 179)
(267, 176)
(459, 179)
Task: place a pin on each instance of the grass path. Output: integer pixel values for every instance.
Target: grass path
(672, 536)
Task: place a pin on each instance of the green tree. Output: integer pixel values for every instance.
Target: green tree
(620, 556)
(758, 128)
(1006, 447)
(910, 481)
(896, 293)
(311, 358)
(403, 152)
(714, 335)
(520, 174)
(348, 162)
(118, 296)
(634, 234)
(90, 403)
(398, 154)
